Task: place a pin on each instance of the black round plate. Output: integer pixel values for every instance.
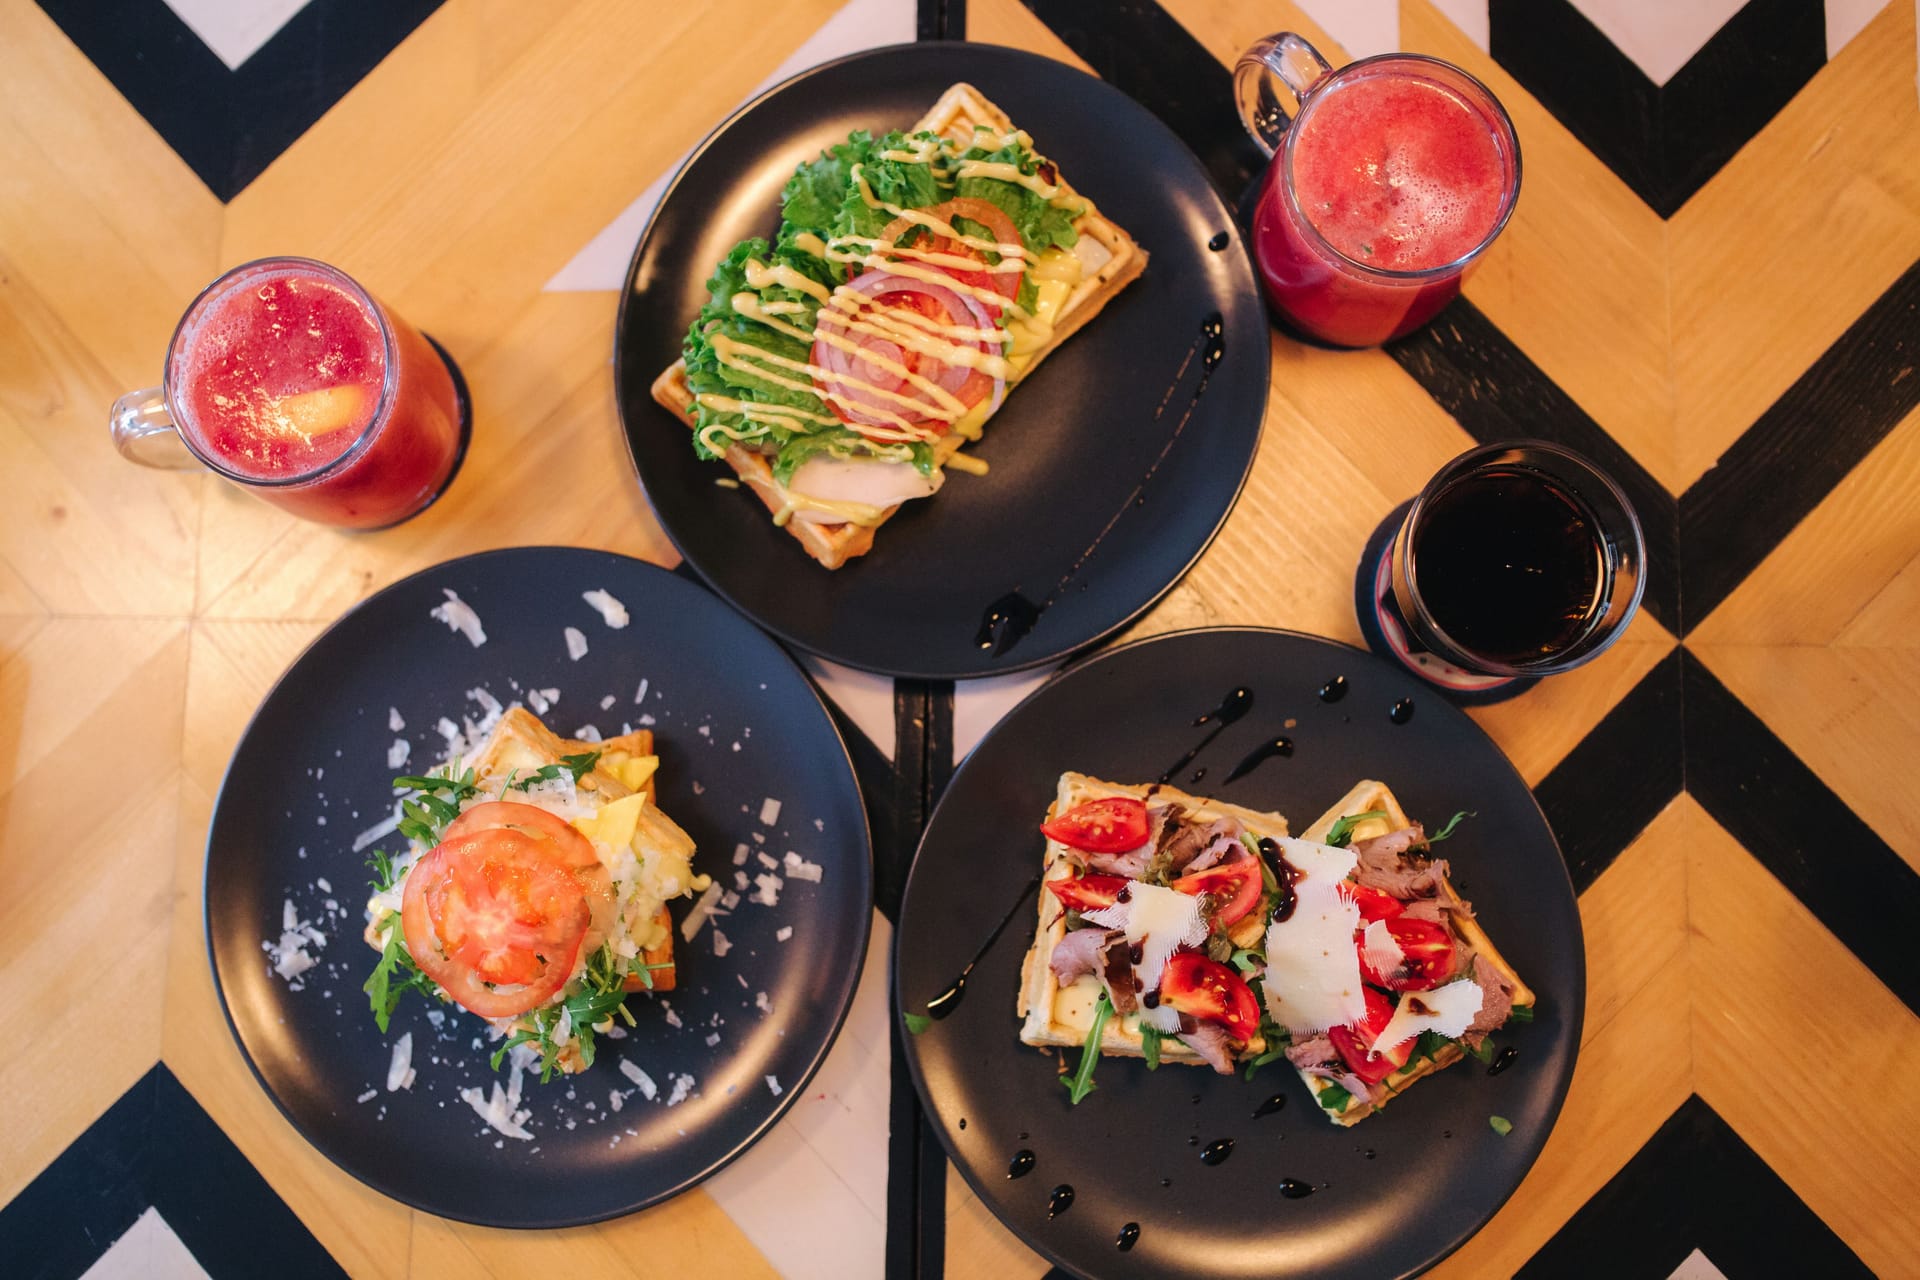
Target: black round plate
(1109, 478)
(1395, 1193)
(317, 751)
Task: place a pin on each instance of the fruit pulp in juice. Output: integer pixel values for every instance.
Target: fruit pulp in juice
(1396, 171)
(278, 379)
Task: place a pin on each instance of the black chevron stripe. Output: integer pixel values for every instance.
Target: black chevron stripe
(1694, 1185)
(157, 1148)
(1664, 141)
(1788, 461)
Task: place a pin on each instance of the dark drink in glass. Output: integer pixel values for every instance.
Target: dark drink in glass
(1517, 560)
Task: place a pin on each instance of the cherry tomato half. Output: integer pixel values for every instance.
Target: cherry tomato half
(1234, 886)
(1113, 825)
(1354, 1042)
(1428, 950)
(1087, 893)
(1210, 991)
(1376, 904)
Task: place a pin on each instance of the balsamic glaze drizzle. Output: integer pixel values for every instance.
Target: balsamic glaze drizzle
(1021, 1165)
(1217, 1151)
(1502, 1060)
(1334, 689)
(1294, 1189)
(949, 1000)
(1402, 711)
(1060, 1201)
(1220, 241)
(1270, 1106)
(1008, 620)
(1281, 747)
(1128, 1237)
(1236, 704)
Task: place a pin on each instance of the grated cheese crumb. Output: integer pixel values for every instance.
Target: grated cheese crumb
(368, 1096)
(739, 855)
(576, 643)
(400, 1073)
(397, 753)
(682, 1086)
(631, 1071)
(767, 893)
(606, 702)
(720, 944)
(773, 1083)
(460, 617)
(784, 932)
(611, 609)
(769, 811)
(394, 723)
(798, 868)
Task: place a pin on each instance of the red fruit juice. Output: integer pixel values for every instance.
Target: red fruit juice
(1400, 174)
(293, 381)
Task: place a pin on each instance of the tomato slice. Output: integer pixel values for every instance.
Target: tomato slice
(1355, 1042)
(496, 918)
(1235, 888)
(1088, 893)
(1002, 278)
(1210, 991)
(1116, 824)
(1428, 948)
(573, 848)
(1375, 904)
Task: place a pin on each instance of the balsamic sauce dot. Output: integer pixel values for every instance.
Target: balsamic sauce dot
(1128, 1237)
(1402, 711)
(1220, 241)
(1217, 1151)
(1060, 1201)
(963, 1122)
(1022, 1163)
(1334, 689)
(1294, 1189)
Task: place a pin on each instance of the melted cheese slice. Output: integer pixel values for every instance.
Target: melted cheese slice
(1383, 951)
(1160, 920)
(614, 824)
(1313, 972)
(869, 483)
(1449, 1010)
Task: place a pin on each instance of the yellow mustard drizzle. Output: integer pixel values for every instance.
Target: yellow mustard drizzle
(968, 463)
(860, 513)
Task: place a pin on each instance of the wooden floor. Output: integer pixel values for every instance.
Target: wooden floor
(143, 614)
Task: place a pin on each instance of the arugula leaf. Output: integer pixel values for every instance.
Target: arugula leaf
(1520, 1013)
(917, 1023)
(1342, 831)
(393, 977)
(1429, 1045)
(1452, 822)
(1333, 1097)
(1080, 1084)
(1246, 959)
(434, 802)
(1500, 1125)
(1483, 1051)
(1278, 1038)
(578, 765)
(1150, 1038)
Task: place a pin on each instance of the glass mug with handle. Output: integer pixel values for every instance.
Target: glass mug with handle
(1517, 560)
(1388, 181)
(290, 380)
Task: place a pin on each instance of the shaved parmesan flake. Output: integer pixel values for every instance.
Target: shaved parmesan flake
(400, 1070)
(769, 811)
(612, 610)
(763, 1002)
(576, 643)
(498, 1114)
(368, 1096)
(739, 855)
(397, 753)
(682, 1086)
(640, 694)
(1161, 920)
(701, 910)
(798, 868)
(394, 722)
(767, 892)
(539, 701)
(1383, 952)
(289, 954)
(489, 705)
(784, 932)
(588, 733)
(459, 617)
(720, 944)
(1163, 1018)
(606, 702)
(1447, 1010)
(648, 1089)
(773, 1083)
(768, 861)
(379, 831)
(1313, 971)
(615, 1100)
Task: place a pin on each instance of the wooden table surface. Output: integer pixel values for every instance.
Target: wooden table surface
(1732, 782)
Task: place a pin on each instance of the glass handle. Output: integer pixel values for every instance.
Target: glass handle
(1282, 57)
(143, 432)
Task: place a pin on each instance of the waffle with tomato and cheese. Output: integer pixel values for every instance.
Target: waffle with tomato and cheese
(545, 898)
(1380, 973)
(1148, 896)
(915, 278)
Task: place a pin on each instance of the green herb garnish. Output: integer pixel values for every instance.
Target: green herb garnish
(1246, 959)
(394, 976)
(1520, 1013)
(1278, 1039)
(434, 802)
(1447, 830)
(1333, 1097)
(1150, 1037)
(1482, 1051)
(579, 766)
(1080, 1084)
(602, 995)
(1342, 831)
(917, 1023)
(1500, 1125)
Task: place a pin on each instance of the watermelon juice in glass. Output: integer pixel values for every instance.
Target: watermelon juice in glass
(1388, 182)
(292, 381)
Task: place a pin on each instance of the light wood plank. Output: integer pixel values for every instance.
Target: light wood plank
(1837, 561)
(1851, 715)
(1786, 1026)
(1829, 192)
(979, 1246)
(85, 870)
